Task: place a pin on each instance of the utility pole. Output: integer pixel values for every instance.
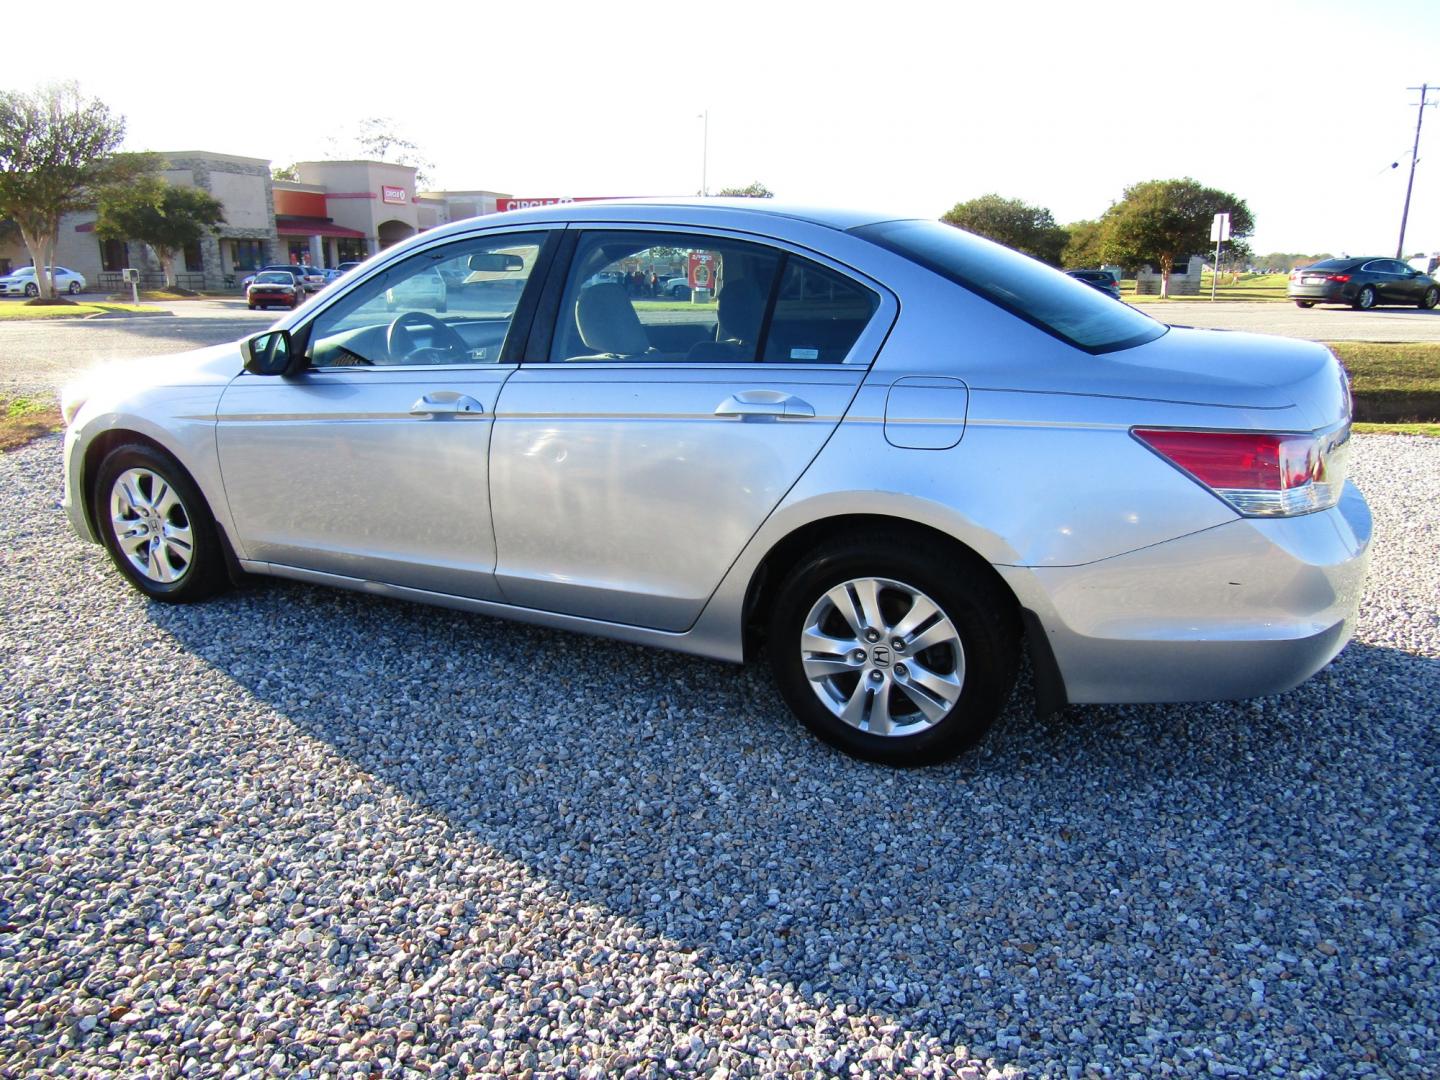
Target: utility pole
(705, 156)
(1424, 88)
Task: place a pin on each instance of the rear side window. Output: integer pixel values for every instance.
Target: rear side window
(1041, 295)
(818, 317)
(690, 298)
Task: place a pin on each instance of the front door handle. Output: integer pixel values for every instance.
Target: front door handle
(764, 403)
(446, 403)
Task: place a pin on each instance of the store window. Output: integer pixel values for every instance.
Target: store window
(351, 249)
(246, 254)
(114, 255)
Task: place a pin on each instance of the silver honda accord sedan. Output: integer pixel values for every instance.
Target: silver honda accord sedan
(888, 454)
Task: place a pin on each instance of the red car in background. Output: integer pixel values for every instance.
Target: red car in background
(274, 287)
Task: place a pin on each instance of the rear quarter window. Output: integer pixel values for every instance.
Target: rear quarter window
(1041, 295)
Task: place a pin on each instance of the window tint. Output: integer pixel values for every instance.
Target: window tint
(818, 315)
(667, 297)
(1330, 264)
(1039, 294)
(449, 305)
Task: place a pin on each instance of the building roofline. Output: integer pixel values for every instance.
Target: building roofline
(171, 154)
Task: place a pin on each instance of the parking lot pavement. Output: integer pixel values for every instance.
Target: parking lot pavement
(36, 358)
(304, 832)
(1287, 320)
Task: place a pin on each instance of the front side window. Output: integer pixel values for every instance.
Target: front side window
(452, 304)
(1025, 287)
(679, 298)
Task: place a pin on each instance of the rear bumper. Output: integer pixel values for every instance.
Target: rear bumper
(1248, 608)
(1321, 294)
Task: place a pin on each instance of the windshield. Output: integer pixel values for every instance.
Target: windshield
(1041, 295)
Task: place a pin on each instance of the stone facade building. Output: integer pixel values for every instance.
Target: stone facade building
(338, 211)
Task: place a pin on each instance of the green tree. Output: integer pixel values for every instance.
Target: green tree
(754, 190)
(1082, 249)
(1161, 221)
(167, 217)
(284, 172)
(58, 150)
(1015, 224)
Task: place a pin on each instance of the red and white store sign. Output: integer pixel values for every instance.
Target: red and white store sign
(701, 270)
(525, 204)
(393, 194)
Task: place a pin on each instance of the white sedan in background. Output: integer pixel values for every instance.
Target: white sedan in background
(22, 282)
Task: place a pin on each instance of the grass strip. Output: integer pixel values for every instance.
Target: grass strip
(24, 419)
(1393, 382)
(26, 313)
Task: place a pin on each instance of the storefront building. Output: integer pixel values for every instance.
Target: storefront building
(337, 211)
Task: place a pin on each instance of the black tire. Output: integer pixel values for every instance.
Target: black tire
(203, 573)
(250, 306)
(1431, 298)
(1305, 303)
(74, 288)
(981, 612)
(1365, 298)
(32, 291)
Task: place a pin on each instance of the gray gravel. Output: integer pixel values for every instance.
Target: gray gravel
(300, 833)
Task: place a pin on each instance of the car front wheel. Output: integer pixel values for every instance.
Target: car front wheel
(156, 526)
(74, 288)
(894, 651)
(1431, 298)
(1305, 303)
(1365, 298)
(32, 291)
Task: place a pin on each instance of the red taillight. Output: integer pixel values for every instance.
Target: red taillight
(1338, 277)
(1259, 473)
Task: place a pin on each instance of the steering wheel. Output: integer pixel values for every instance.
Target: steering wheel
(400, 342)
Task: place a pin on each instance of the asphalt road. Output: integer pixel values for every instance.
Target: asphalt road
(1316, 324)
(36, 358)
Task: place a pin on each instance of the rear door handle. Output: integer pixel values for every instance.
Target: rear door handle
(446, 403)
(764, 403)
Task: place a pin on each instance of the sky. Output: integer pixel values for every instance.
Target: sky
(1299, 108)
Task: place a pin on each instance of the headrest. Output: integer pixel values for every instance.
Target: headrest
(607, 321)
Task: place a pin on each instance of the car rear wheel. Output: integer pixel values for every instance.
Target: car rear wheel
(1431, 298)
(1365, 298)
(1305, 303)
(156, 526)
(893, 652)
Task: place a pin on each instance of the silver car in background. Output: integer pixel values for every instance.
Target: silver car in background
(888, 454)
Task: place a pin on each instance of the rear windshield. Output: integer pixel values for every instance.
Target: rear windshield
(1333, 264)
(1042, 296)
(275, 277)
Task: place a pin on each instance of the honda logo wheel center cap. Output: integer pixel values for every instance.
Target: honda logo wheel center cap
(880, 656)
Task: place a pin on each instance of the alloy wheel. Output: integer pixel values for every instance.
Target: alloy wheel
(882, 657)
(152, 526)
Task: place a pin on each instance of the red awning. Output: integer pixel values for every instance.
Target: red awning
(299, 226)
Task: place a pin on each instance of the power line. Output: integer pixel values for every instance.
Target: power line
(1424, 88)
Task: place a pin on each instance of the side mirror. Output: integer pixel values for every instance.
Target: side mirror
(270, 354)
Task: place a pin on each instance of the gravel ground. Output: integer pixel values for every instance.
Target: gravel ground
(301, 833)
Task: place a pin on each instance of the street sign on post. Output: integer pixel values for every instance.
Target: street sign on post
(1219, 232)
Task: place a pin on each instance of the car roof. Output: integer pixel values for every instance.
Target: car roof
(661, 210)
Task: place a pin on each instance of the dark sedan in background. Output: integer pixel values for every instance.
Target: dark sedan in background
(1362, 283)
(1103, 280)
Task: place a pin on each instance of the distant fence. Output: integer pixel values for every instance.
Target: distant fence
(112, 281)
